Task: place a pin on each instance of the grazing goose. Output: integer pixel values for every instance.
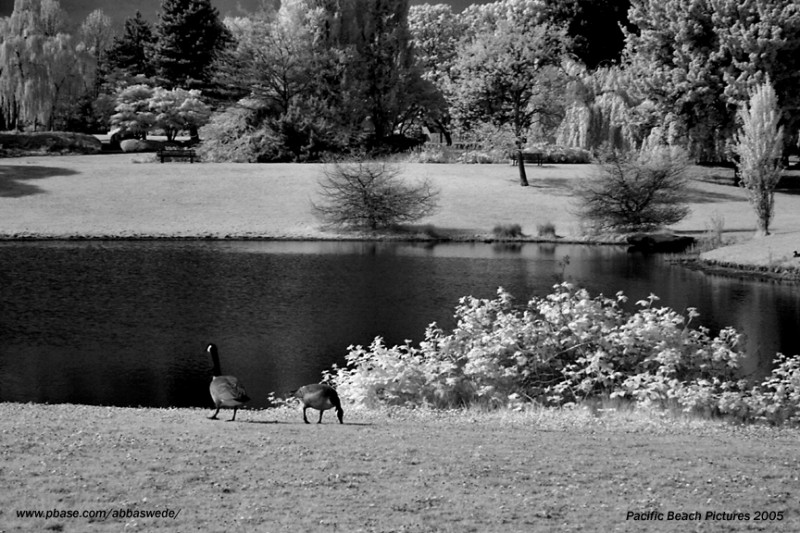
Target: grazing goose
(320, 397)
(226, 391)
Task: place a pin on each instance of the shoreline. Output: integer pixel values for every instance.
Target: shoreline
(762, 273)
(131, 197)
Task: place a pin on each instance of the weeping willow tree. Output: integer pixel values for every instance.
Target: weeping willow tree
(43, 71)
(602, 112)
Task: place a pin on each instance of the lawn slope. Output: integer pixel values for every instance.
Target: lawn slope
(411, 471)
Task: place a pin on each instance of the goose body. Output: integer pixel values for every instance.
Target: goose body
(320, 397)
(226, 391)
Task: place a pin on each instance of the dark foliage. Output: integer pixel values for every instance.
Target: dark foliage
(189, 37)
(132, 52)
(595, 27)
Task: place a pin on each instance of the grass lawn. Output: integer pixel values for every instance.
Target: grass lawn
(125, 195)
(396, 471)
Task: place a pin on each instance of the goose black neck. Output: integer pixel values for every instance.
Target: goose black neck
(215, 358)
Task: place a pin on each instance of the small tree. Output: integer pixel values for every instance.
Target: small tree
(178, 110)
(759, 147)
(510, 76)
(371, 194)
(639, 190)
(133, 112)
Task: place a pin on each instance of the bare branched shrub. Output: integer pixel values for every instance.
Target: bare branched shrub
(638, 190)
(373, 195)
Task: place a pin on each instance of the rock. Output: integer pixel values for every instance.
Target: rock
(138, 145)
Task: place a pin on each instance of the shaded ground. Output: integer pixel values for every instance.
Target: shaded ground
(14, 179)
(400, 471)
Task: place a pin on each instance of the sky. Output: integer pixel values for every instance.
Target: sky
(119, 10)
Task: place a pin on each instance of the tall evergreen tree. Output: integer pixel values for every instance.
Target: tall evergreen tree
(132, 51)
(189, 37)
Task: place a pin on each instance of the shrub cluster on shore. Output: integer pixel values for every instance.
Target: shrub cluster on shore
(567, 348)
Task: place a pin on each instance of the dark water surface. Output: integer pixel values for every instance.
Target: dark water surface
(126, 323)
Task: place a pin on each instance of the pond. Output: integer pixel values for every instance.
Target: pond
(126, 323)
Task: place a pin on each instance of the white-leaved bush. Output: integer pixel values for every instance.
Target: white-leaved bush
(564, 348)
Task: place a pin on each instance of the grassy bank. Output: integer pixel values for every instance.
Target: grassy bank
(410, 471)
(128, 195)
(133, 196)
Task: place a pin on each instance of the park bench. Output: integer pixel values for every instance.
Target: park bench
(176, 154)
(528, 157)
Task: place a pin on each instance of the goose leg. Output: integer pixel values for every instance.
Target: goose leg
(304, 415)
(234, 415)
(214, 416)
(320, 416)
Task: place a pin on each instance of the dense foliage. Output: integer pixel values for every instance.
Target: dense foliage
(564, 348)
(376, 75)
(189, 36)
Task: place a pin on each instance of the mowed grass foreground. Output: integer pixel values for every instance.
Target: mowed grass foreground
(392, 471)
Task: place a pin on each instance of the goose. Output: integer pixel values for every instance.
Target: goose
(321, 397)
(226, 391)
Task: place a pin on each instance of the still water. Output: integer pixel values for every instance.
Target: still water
(126, 323)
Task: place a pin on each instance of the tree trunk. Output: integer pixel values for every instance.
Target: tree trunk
(523, 179)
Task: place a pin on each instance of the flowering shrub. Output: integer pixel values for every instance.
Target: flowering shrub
(568, 347)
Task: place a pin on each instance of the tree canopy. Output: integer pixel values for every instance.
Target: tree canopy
(317, 76)
(189, 35)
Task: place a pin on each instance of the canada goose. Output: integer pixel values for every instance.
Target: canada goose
(320, 397)
(226, 391)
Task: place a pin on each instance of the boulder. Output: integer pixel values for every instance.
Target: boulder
(138, 145)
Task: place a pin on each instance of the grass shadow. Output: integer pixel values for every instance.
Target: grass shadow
(697, 196)
(14, 179)
(564, 184)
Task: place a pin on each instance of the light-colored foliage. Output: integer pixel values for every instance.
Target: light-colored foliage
(141, 108)
(759, 146)
(604, 109)
(132, 112)
(97, 33)
(509, 76)
(568, 347)
(177, 110)
(236, 134)
(697, 59)
(43, 72)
